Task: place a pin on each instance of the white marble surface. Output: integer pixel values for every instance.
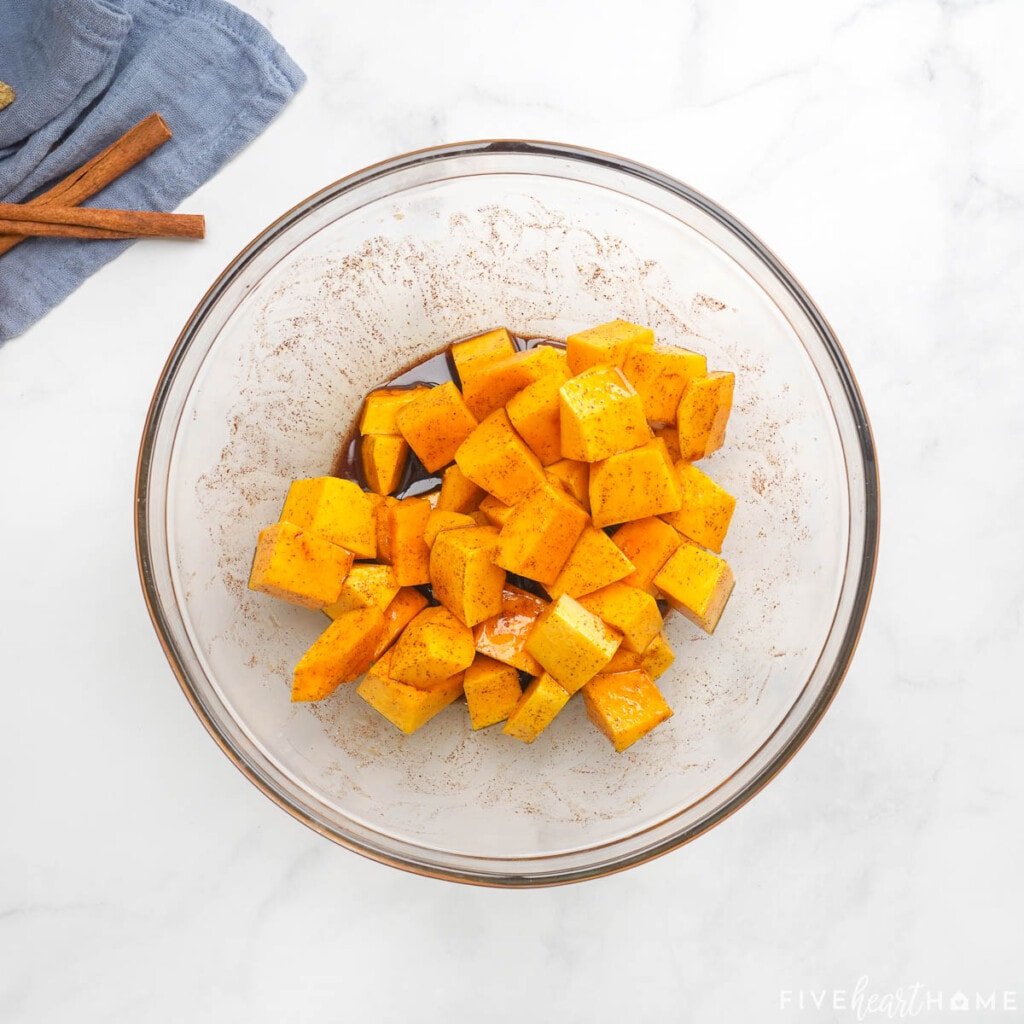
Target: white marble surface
(879, 148)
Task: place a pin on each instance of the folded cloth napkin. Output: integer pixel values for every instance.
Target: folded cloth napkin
(85, 71)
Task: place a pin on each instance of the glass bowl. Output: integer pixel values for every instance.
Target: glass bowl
(378, 271)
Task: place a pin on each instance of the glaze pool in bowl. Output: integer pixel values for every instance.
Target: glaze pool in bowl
(376, 272)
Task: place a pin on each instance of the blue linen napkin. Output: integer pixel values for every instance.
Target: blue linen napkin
(85, 71)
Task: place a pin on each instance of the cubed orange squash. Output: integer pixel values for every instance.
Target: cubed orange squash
(540, 533)
(634, 485)
(504, 636)
(435, 423)
(497, 459)
(438, 521)
(660, 374)
(500, 380)
(384, 457)
(623, 660)
(541, 701)
(474, 355)
(298, 566)
(367, 585)
(572, 643)
(341, 653)
(573, 477)
(406, 707)
(495, 511)
(648, 543)
(492, 691)
(707, 508)
(458, 492)
(600, 414)
(480, 518)
(381, 408)
(634, 613)
(432, 648)
(534, 413)
(594, 563)
(338, 510)
(625, 706)
(606, 344)
(404, 607)
(382, 525)
(703, 414)
(658, 657)
(696, 583)
(464, 575)
(406, 549)
(670, 435)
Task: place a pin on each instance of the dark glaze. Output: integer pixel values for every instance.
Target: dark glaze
(434, 370)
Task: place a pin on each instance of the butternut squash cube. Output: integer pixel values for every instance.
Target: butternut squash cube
(707, 508)
(381, 408)
(492, 691)
(464, 575)
(474, 355)
(660, 374)
(535, 414)
(658, 657)
(366, 586)
(404, 607)
(594, 563)
(634, 613)
(670, 435)
(500, 380)
(601, 415)
(384, 457)
(648, 543)
(496, 512)
(338, 510)
(458, 492)
(435, 423)
(432, 648)
(540, 533)
(382, 525)
(696, 583)
(438, 521)
(634, 485)
(607, 344)
(541, 701)
(703, 414)
(480, 519)
(573, 477)
(625, 706)
(298, 566)
(572, 643)
(406, 707)
(496, 458)
(406, 549)
(341, 653)
(623, 661)
(504, 636)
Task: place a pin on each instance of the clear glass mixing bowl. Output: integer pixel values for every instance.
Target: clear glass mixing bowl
(383, 268)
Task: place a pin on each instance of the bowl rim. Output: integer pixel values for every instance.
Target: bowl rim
(851, 389)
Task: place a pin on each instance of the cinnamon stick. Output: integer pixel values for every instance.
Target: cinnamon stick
(92, 177)
(88, 222)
